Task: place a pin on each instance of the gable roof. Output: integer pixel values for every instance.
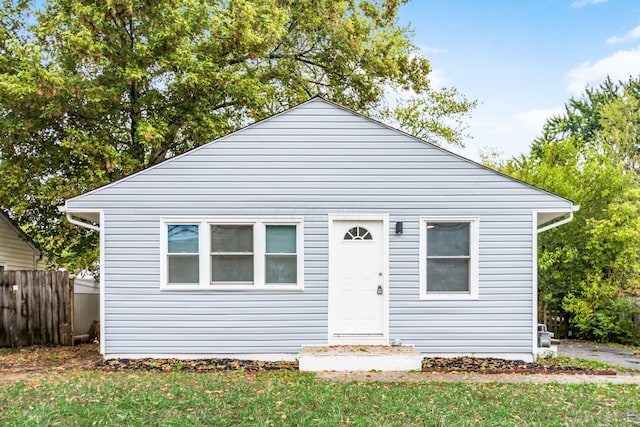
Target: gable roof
(21, 234)
(336, 105)
(441, 148)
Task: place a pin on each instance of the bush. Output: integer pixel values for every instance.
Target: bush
(601, 317)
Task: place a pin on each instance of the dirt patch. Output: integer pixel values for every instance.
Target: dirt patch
(13, 376)
(46, 358)
(17, 364)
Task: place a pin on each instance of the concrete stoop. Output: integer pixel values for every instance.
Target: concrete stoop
(359, 358)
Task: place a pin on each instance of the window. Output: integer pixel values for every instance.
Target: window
(231, 253)
(358, 233)
(281, 259)
(448, 258)
(3, 266)
(182, 253)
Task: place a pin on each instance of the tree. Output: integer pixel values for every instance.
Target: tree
(591, 266)
(91, 91)
(604, 118)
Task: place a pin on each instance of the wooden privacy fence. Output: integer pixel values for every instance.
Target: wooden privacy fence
(557, 321)
(36, 307)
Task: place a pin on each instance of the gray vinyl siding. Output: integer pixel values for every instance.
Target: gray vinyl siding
(314, 160)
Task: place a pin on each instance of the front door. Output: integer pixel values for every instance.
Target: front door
(357, 283)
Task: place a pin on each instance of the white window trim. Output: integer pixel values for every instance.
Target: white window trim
(259, 251)
(4, 264)
(474, 232)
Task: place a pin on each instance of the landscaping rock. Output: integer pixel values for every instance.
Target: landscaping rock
(195, 365)
(501, 366)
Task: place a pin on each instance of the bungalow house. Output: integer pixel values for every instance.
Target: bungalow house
(317, 226)
(17, 250)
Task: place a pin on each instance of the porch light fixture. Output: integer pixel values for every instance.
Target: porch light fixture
(399, 227)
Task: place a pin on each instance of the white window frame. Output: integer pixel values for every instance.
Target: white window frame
(204, 252)
(4, 265)
(474, 238)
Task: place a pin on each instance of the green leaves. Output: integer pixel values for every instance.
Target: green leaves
(93, 91)
(591, 266)
(437, 117)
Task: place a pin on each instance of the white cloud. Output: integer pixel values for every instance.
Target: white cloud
(438, 79)
(508, 133)
(619, 66)
(535, 118)
(427, 49)
(628, 37)
(582, 3)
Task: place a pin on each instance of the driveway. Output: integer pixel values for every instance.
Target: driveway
(601, 352)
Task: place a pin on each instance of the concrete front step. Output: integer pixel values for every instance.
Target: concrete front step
(359, 358)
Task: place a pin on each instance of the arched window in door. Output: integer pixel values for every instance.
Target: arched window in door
(358, 233)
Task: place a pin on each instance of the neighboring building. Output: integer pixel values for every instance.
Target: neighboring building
(17, 250)
(318, 226)
(86, 305)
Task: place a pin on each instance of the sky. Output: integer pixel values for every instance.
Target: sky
(522, 60)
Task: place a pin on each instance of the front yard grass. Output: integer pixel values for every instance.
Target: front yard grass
(294, 398)
(581, 363)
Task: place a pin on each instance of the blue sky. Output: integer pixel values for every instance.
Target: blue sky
(523, 59)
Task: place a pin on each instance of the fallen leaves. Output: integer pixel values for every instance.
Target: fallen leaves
(44, 358)
(60, 359)
(194, 365)
(500, 366)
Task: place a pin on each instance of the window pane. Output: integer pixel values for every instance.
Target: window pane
(447, 275)
(182, 238)
(281, 239)
(232, 268)
(358, 233)
(183, 269)
(232, 238)
(447, 238)
(282, 269)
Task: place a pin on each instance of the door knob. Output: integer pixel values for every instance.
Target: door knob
(379, 290)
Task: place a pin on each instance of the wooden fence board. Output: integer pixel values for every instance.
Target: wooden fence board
(54, 310)
(42, 309)
(5, 312)
(35, 312)
(48, 319)
(557, 321)
(36, 307)
(13, 309)
(19, 329)
(30, 306)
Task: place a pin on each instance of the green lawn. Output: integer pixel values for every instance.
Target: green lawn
(292, 398)
(581, 363)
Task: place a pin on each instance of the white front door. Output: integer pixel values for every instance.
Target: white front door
(357, 282)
